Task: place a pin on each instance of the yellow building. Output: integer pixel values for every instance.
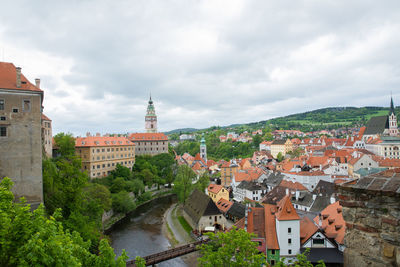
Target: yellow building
(216, 192)
(101, 154)
(282, 146)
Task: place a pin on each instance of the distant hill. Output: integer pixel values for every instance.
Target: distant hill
(333, 117)
(183, 130)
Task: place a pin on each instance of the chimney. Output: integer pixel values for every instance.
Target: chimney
(18, 69)
(297, 195)
(287, 191)
(333, 200)
(98, 135)
(88, 134)
(37, 82)
(314, 197)
(320, 220)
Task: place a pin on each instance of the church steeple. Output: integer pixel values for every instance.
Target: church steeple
(151, 118)
(393, 130)
(203, 149)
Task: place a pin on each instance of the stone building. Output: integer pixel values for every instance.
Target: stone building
(21, 133)
(101, 154)
(281, 146)
(149, 143)
(371, 209)
(47, 137)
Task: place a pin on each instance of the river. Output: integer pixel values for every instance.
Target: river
(140, 232)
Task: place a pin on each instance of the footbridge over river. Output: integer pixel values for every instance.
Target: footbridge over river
(169, 254)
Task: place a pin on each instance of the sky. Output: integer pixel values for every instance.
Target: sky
(204, 63)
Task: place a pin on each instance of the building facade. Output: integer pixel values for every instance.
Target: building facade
(47, 136)
(101, 154)
(149, 143)
(21, 133)
(151, 118)
(281, 146)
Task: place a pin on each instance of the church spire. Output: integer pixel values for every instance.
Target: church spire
(151, 118)
(391, 105)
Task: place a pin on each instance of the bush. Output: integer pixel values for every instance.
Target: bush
(122, 202)
(144, 197)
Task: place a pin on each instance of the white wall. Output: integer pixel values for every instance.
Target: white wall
(283, 236)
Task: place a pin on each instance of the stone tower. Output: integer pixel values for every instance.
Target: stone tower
(203, 149)
(393, 130)
(151, 118)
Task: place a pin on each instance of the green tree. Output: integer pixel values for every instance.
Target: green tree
(183, 182)
(136, 186)
(65, 144)
(122, 171)
(33, 239)
(203, 182)
(233, 248)
(122, 202)
(147, 176)
(280, 157)
(118, 185)
(257, 139)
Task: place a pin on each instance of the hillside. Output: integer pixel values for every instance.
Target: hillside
(334, 117)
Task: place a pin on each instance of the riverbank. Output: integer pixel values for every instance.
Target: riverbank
(174, 232)
(116, 218)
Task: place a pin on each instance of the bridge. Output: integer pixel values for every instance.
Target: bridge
(169, 254)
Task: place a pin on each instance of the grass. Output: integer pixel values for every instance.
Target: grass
(185, 224)
(174, 241)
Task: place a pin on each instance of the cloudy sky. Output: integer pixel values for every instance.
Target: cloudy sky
(205, 62)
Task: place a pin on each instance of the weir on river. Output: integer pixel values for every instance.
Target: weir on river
(140, 233)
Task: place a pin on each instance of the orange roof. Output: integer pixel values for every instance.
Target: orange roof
(361, 132)
(307, 229)
(214, 188)
(255, 222)
(210, 163)
(100, 141)
(248, 175)
(45, 118)
(197, 157)
(147, 136)
(316, 161)
(197, 166)
(293, 185)
(224, 205)
(286, 211)
(8, 79)
(333, 222)
(270, 227)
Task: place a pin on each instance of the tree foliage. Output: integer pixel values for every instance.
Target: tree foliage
(183, 185)
(233, 248)
(33, 239)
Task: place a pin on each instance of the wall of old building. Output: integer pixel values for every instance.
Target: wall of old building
(373, 227)
(21, 149)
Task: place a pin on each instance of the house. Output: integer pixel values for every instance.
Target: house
(265, 145)
(261, 156)
(217, 192)
(201, 212)
(236, 212)
(21, 133)
(228, 170)
(101, 154)
(361, 161)
(252, 174)
(251, 190)
(281, 146)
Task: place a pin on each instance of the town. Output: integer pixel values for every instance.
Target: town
(329, 194)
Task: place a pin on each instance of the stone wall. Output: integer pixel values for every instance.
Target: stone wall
(373, 226)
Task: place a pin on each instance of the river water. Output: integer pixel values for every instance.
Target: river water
(140, 232)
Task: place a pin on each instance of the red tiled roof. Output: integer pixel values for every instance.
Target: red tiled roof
(224, 205)
(197, 166)
(293, 185)
(255, 221)
(307, 229)
(147, 137)
(214, 188)
(45, 118)
(100, 141)
(333, 222)
(270, 227)
(285, 210)
(210, 163)
(317, 161)
(8, 79)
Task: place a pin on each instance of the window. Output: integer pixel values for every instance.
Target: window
(289, 241)
(289, 251)
(272, 262)
(2, 118)
(15, 110)
(289, 230)
(3, 131)
(26, 105)
(1, 104)
(318, 242)
(272, 251)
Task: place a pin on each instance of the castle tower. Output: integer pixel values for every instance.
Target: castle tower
(203, 149)
(151, 118)
(393, 130)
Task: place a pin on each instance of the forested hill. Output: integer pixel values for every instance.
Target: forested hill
(335, 117)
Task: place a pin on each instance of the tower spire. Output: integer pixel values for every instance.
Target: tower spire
(391, 103)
